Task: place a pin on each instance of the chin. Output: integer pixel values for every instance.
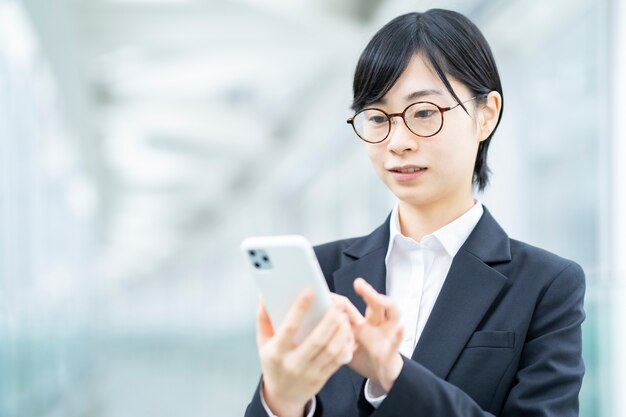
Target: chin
(415, 196)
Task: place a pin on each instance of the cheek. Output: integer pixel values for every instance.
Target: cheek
(456, 157)
(376, 154)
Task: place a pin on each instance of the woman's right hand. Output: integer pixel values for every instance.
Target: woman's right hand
(293, 373)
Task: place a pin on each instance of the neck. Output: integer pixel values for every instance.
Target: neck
(419, 221)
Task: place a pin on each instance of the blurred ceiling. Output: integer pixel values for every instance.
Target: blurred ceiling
(182, 107)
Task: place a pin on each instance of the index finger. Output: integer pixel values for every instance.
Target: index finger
(366, 291)
(379, 304)
(289, 327)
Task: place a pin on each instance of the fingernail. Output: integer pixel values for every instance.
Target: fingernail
(347, 358)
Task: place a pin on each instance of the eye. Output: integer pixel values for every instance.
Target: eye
(424, 113)
(377, 119)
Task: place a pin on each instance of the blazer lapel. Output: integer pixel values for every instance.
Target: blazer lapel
(468, 291)
(364, 258)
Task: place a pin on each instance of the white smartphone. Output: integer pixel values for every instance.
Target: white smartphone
(283, 266)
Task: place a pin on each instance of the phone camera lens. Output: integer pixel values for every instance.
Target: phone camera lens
(266, 259)
(257, 265)
(251, 252)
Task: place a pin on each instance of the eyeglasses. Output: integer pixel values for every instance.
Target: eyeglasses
(423, 118)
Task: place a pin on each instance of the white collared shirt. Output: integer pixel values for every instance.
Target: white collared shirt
(416, 272)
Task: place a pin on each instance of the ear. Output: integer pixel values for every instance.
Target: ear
(489, 115)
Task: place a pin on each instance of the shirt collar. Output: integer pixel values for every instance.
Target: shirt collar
(451, 236)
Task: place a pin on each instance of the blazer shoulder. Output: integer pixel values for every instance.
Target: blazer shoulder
(540, 259)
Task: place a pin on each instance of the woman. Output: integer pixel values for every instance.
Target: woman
(473, 323)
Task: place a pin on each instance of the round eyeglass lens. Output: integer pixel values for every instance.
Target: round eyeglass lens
(371, 125)
(423, 119)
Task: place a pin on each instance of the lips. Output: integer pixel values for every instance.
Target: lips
(406, 173)
(407, 170)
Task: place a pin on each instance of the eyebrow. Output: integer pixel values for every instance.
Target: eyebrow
(417, 94)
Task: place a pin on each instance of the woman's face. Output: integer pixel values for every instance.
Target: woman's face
(445, 160)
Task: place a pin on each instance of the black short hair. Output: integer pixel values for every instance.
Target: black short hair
(450, 42)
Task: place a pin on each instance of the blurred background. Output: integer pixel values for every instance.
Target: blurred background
(141, 140)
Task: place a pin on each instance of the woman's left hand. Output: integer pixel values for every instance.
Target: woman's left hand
(378, 336)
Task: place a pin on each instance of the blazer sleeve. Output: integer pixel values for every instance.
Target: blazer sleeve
(255, 408)
(549, 374)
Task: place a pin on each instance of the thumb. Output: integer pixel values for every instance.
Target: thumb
(264, 327)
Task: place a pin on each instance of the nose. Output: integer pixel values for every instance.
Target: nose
(401, 139)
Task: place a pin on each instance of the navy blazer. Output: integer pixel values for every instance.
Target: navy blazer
(503, 339)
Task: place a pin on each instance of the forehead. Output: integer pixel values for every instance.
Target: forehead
(419, 81)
